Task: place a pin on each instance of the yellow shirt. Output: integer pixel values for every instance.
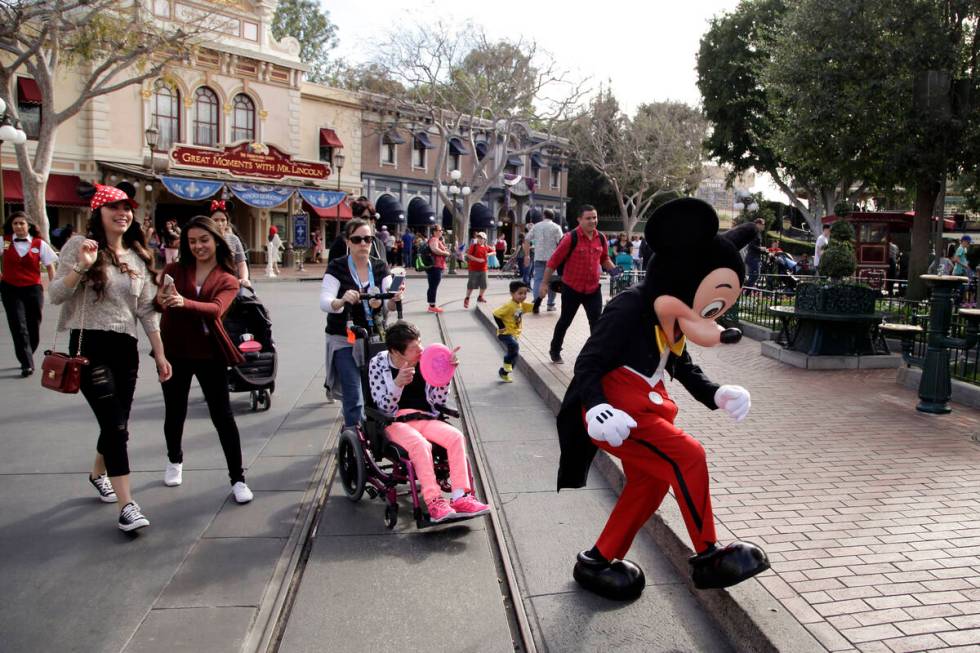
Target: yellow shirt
(510, 315)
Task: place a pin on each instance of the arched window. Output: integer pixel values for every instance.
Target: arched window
(243, 119)
(166, 114)
(205, 117)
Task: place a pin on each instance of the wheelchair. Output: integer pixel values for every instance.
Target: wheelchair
(368, 462)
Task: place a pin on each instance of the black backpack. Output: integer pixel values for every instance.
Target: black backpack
(425, 254)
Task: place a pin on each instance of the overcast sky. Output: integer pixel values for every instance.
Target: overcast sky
(646, 50)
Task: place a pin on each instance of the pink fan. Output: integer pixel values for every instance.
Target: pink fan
(437, 364)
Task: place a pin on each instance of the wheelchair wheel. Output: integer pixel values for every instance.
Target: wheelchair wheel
(350, 460)
(391, 516)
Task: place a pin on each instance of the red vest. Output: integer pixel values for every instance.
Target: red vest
(20, 270)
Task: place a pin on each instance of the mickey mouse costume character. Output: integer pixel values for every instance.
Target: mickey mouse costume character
(618, 401)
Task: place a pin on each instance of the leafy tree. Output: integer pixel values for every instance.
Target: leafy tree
(586, 186)
(108, 44)
(311, 26)
(658, 149)
(368, 78)
(880, 109)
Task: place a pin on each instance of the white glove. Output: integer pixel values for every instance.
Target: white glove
(734, 400)
(609, 424)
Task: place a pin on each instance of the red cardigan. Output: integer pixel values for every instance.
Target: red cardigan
(182, 328)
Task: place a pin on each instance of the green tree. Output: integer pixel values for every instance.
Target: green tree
(309, 24)
(866, 92)
(109, 46)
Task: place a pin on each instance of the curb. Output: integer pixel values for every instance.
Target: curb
(755, 621)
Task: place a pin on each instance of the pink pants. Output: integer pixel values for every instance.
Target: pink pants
(415, 437)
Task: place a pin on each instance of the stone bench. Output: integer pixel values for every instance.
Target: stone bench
(830, 334)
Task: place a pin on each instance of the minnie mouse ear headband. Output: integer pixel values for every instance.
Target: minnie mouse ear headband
(221, 205)
(110, 195)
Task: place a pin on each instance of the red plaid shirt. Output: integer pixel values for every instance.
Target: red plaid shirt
(581, 272)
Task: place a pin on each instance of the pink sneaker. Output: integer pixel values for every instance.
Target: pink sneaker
(468, 506)
(434, 309)
(440, 511)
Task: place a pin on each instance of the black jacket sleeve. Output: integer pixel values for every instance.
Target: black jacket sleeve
(605, 350)
(693, 379)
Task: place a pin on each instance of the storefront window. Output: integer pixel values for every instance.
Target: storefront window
(243, 119)
(166, 114)
(873, 233)
(205, 117)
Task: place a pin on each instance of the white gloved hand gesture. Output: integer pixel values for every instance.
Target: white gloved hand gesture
(609, 424)
(734, 400)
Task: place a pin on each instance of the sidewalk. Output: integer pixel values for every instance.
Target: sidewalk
(868, 509)
(207, 574)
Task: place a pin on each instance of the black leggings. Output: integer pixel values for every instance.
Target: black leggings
(213, 378)
(435, 276)
(570, 301)
(108, 383)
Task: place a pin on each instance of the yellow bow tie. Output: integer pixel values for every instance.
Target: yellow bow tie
(662, 343)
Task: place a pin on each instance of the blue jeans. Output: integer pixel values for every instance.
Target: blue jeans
(539, 267)
(753, 266)
(513, 349)
(349, 374)
(407, 257)
(435, 276)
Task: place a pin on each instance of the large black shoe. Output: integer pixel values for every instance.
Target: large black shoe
(556, 357)
(619, 580)
(537, 306)
(728, 565)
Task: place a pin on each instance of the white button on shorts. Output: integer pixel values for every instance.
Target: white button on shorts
(656, 398)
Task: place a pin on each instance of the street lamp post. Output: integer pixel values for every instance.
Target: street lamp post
(14, 134)
(455, 188)
(338, 163)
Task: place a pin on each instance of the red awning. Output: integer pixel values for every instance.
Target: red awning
(62, 190)
(28, 92)
(332, 212)
(329, 138)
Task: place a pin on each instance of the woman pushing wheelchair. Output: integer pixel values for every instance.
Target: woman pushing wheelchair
(400, 391)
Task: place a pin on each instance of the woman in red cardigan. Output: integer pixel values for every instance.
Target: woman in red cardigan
(196, 343)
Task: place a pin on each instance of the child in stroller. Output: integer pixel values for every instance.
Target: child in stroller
(250, 329)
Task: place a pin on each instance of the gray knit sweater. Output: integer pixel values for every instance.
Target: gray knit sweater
(126, 300)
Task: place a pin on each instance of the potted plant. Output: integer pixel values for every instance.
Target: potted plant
(833, 294)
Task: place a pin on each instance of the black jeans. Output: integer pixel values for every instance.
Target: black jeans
(570, 301)
(435, 276)
(213, 377)
(22, 304)
(108, 383)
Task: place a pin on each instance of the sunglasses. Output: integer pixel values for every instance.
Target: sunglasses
(357, 240)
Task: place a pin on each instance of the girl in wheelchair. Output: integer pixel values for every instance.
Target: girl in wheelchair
(398, 390)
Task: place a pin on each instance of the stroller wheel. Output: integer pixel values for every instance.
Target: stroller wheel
(391, 516)
(253, 399)
(350, 462)
(266, 399)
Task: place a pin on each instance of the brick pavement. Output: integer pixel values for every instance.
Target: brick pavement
(868, 509)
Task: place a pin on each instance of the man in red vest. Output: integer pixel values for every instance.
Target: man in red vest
(20, 285)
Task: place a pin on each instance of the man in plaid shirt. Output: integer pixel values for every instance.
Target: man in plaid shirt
(580, 275)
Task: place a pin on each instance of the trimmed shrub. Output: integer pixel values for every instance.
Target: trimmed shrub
(839, 261)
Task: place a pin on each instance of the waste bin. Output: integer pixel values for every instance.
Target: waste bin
(287, 257)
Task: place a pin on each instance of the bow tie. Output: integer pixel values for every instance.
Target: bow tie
(20, 240)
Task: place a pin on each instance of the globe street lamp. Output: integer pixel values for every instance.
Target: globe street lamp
(17, 136)
(455, 188)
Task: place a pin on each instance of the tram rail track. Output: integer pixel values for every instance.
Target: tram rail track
(517, 617)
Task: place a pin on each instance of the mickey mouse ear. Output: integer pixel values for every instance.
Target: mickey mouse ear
(128, 188)
(681, 225)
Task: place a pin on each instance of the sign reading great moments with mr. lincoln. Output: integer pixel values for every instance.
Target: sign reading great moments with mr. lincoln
(248, 160)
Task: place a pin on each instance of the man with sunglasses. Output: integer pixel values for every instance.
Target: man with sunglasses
(363, 209)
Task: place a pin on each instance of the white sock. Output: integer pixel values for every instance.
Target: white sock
(458, 494)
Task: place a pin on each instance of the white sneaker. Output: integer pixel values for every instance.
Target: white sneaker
(241, 492)
(174, 474)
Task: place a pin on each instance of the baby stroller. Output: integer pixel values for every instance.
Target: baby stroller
(250, 329)
(368, 462)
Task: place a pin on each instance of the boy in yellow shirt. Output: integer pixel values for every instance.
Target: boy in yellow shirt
(508, 318)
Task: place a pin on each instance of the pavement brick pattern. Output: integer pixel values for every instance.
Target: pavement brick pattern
(869, 510)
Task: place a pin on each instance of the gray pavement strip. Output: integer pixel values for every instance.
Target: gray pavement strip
(215, 630)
